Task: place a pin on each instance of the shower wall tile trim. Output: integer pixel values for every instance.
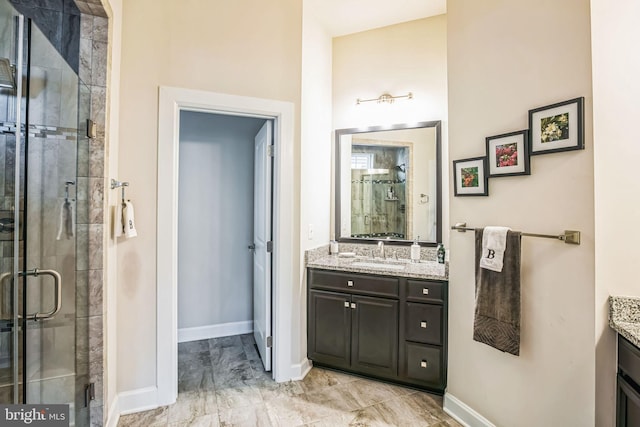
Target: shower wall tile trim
(91, 206)
(41, 131)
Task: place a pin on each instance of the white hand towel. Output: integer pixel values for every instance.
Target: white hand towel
(129, 221)
(118, 220)
(67, 224)
(494, 243)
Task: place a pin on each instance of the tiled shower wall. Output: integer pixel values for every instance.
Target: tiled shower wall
(91, 187)
(373, 212)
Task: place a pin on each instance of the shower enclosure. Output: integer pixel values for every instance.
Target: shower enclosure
(378, 191)
(43, 346)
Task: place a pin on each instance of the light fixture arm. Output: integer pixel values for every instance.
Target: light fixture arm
(385, 98)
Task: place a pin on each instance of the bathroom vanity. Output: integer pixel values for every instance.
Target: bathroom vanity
(624, 318)
(384, 319)
(376, 313)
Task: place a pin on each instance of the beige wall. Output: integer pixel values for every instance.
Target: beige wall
(402, 58)
(244, 47)
(114, 10)
(616, 90)
(506, 57)
(315, 150)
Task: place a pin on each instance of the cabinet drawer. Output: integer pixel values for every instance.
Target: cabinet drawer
(424, 363)
(423, 323)
(629, 359)
(357, 283)
(425, 291)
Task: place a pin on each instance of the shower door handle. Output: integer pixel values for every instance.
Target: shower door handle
(57, 298)
(5, 307)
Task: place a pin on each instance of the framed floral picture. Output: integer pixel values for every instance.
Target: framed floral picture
(508, 154)
(470, 177)
(557, 127)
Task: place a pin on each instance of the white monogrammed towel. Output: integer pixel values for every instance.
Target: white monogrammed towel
(129, 221)
(494, 243)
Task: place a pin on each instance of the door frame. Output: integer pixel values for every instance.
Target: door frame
(172, 100)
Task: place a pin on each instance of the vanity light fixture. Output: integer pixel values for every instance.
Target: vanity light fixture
(385, 98)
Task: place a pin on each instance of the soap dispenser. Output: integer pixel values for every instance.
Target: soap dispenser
(440, 253)
(415, 250)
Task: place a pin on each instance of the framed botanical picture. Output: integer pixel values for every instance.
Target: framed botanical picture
(557, 127)
(508, 154)
(470, 177)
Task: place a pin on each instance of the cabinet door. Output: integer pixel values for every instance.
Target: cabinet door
(628, 411)
(374, 344)
(329, 328)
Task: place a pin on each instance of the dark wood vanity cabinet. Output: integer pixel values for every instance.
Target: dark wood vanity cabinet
(392, 328)
(628, 384)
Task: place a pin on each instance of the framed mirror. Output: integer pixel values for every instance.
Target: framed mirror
(388, 184)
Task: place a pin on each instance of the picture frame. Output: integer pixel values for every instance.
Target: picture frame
(508, 154)
(557, 127)
(470, 177)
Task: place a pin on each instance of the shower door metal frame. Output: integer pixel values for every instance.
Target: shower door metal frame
(16, 213)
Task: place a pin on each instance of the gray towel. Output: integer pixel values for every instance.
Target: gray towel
(66, 227)
(497, 314)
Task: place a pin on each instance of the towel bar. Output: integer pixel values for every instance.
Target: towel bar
(570, 236)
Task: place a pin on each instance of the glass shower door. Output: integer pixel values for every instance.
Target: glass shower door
(49, 297)
(12, 118)
(40, 350)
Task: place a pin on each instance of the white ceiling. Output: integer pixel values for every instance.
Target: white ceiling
(341, 17)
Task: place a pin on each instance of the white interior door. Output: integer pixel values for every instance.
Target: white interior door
(262, 241)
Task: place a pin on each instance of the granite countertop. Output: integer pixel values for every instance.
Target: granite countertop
(624, 317)
(401, 268)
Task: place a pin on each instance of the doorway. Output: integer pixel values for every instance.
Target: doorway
(224, 228)
(286, 300)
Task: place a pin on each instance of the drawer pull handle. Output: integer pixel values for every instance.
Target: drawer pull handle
(425, 291)
(423, 364)
(346, 304)
(350, 283)
(353, 305)
(423, 324)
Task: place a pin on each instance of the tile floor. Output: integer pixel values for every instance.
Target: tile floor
(221, 382)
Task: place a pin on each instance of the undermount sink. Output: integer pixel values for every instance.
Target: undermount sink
(369, 264)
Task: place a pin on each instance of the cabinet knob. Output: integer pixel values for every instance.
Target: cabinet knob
(425, 291)
(423, 324)
(353, 305)
(346, 304)
(423, 364)
(350, 283)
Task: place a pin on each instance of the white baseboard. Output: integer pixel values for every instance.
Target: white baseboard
(114, 413)
(215, 331)
(300, 370)
(139, 400)
(463, 413)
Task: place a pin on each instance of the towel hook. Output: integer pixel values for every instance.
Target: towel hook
(66, 190)
(119, 184)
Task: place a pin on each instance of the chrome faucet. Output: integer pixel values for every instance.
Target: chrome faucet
(381, 248)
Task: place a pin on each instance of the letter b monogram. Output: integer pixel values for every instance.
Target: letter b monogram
(491, 254)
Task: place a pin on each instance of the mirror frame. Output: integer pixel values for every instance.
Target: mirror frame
(337, 196)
